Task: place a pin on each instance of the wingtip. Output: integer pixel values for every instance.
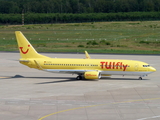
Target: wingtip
(17, 32)
(87, 55)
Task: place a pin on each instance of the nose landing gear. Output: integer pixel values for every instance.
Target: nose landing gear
(140, 78)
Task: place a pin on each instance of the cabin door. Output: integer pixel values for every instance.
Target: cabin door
(136, 67)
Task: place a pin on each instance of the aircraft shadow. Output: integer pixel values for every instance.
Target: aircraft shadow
(20, 76)
(67, 79)
(59, 81)
(109, 78)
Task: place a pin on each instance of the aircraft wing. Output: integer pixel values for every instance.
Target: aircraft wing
(71, 71)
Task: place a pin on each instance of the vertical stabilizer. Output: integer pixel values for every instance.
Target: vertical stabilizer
(25, 48)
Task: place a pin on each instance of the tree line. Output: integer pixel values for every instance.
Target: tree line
(40, 18)
(78, 6)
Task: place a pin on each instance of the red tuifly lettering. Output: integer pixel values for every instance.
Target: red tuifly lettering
(113, 65)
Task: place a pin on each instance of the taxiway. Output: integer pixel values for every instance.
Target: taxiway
(30, 94)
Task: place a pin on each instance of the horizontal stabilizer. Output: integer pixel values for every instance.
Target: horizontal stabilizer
(23, 60)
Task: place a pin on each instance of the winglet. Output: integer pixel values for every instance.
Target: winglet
(87, 55)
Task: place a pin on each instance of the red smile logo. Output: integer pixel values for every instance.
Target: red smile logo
(24, 52)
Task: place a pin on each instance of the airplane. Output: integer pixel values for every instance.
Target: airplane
(85, 68)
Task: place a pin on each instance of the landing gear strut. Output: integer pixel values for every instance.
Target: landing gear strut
(140, 78)
(79, 77)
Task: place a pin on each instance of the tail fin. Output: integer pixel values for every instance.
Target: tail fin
(25, 48)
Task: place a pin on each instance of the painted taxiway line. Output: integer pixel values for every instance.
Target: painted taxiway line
(4, 77)
(101, 105)
(149, 118)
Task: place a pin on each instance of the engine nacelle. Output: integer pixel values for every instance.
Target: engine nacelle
(92, 75)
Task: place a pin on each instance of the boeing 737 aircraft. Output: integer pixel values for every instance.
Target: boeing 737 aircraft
(85, 68)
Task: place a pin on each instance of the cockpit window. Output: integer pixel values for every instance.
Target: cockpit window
(146, 65)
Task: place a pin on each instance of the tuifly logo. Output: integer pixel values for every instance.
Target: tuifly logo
(113, 65)
(24, 52)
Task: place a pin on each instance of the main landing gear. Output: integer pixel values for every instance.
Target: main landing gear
(140, 78)
(79, 77)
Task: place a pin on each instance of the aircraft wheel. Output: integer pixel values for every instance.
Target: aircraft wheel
(79, 77)
(140, 78)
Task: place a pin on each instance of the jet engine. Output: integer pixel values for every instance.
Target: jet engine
(92, 75)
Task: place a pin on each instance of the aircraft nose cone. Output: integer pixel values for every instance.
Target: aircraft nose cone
(152, 69)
